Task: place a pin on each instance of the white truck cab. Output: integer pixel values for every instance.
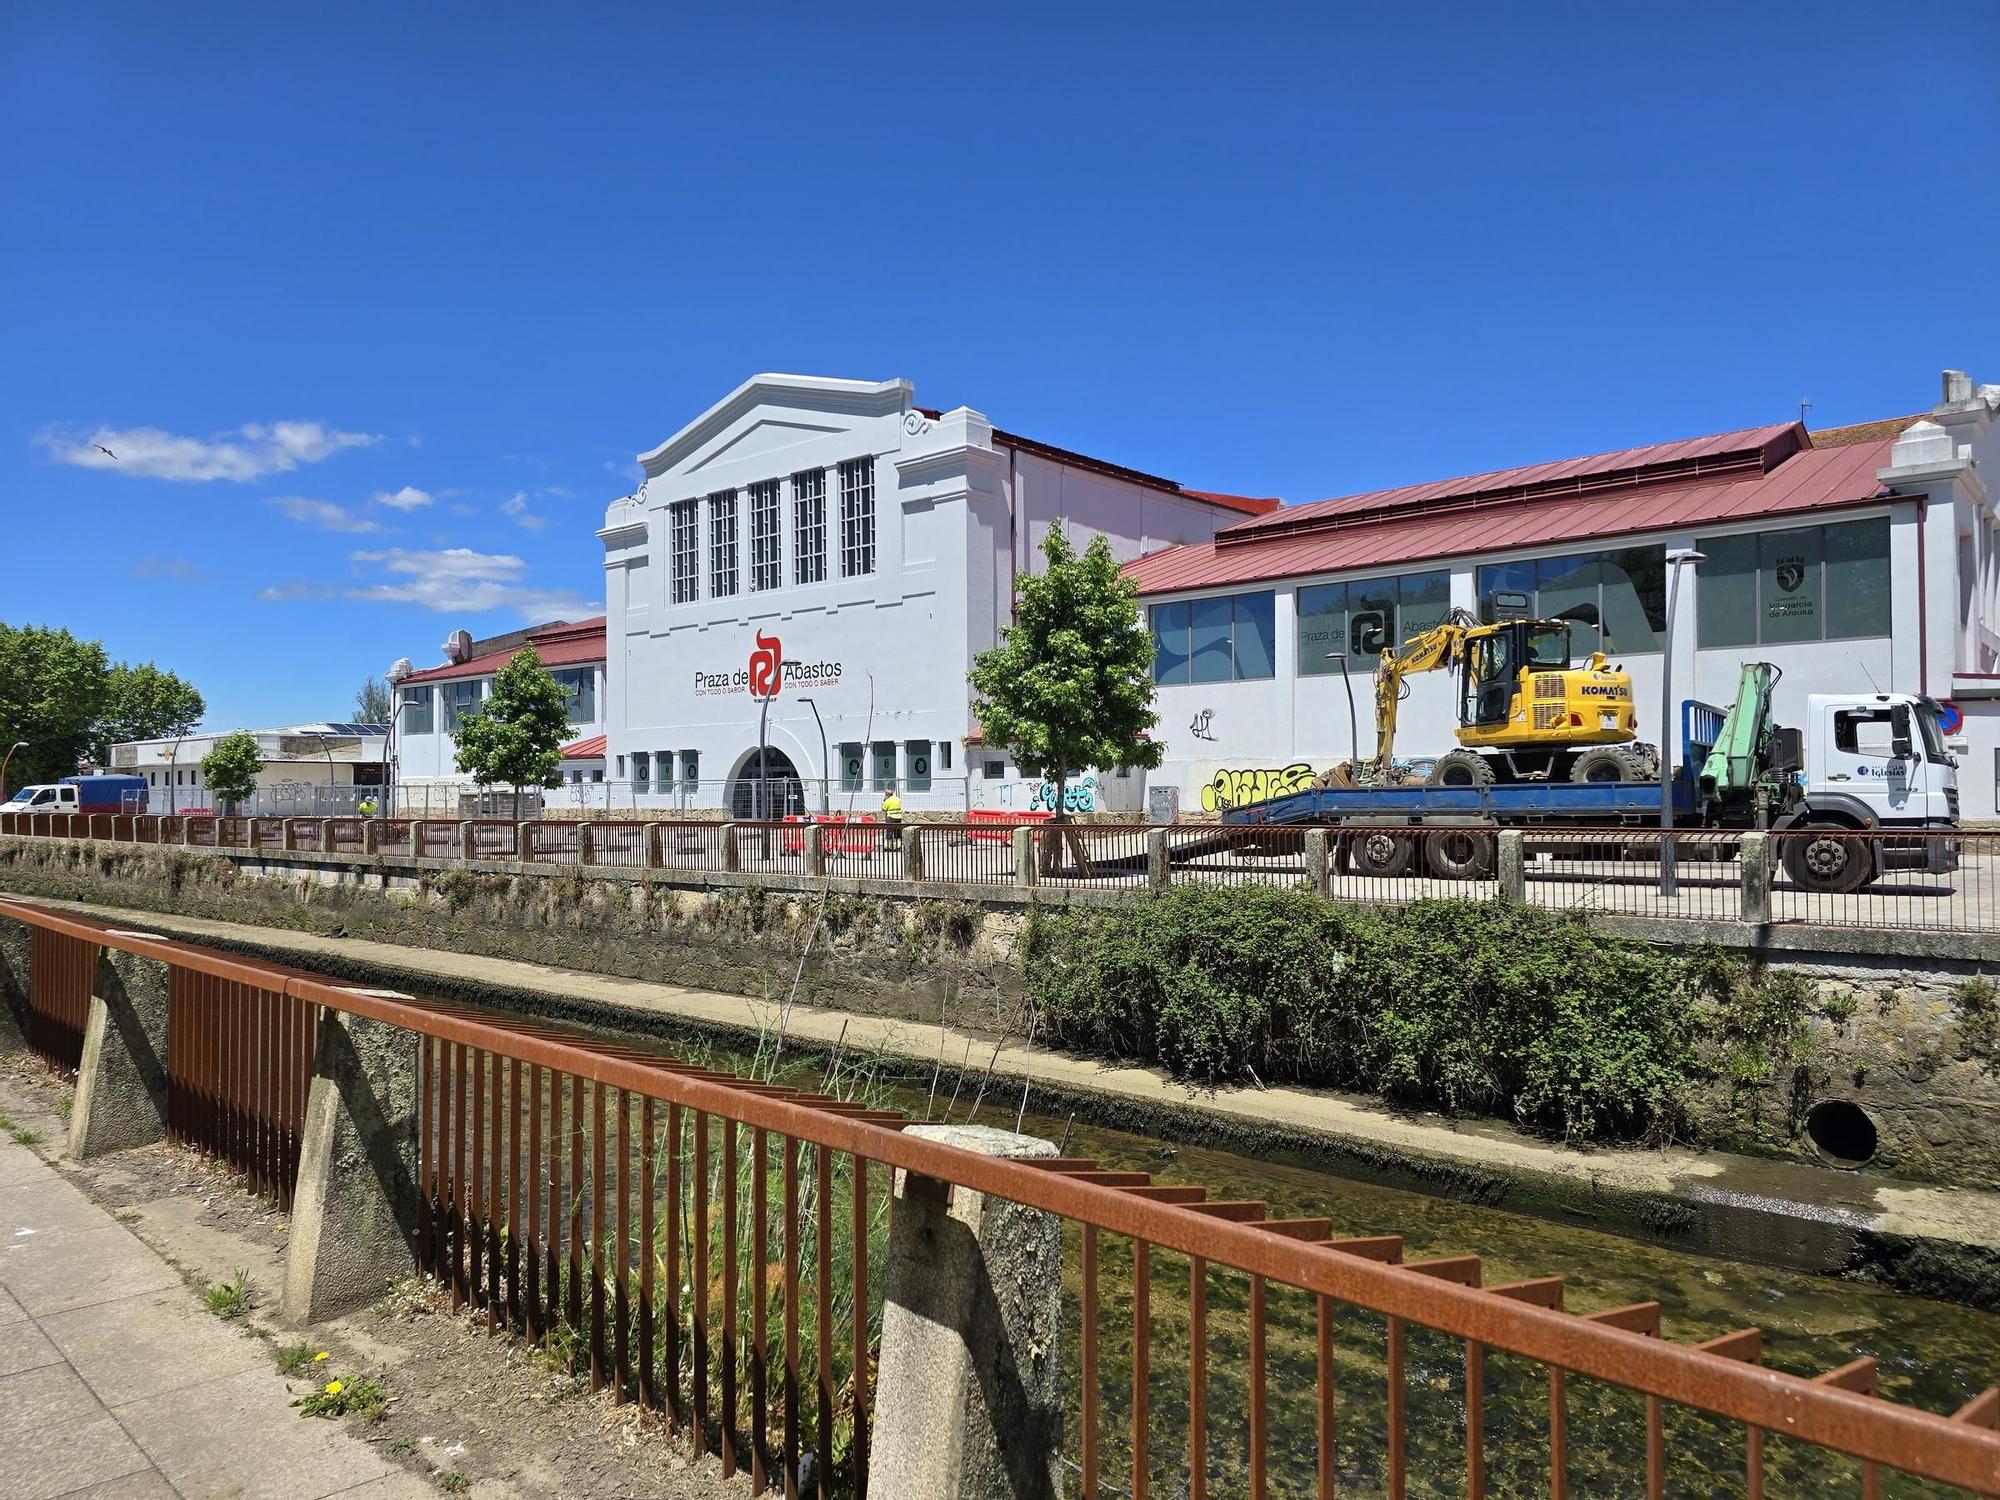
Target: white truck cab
(1881, 758)
(44, 797)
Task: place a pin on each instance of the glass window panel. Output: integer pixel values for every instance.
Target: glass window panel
(1635, 599)
(690, 769)
(1788, 586)
(1506, 578)
(1566, 589)
(1424, 599)
(850, 766)
(1256, 635)
(416, 712)
(1170, 643)
(1208, 640)
(917, 760)
(642, 779)
(1857, 578)
(1371, 621)
(884, 758)
(1726, 591)
(1322, 609)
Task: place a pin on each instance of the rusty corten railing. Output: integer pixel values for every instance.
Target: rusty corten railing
(580, 1191)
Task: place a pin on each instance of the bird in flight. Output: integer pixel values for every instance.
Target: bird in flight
(105, 451)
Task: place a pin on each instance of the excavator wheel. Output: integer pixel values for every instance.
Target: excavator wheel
(1462, 768)
(1616, 763)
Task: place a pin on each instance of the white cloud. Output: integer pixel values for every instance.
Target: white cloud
(296, 588)
(167, 567)
(518, 509)
(408, 498)
(250, 452)
(459, 581)
(324, 515)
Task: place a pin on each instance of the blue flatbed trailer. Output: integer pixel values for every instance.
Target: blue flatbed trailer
(1542, 804)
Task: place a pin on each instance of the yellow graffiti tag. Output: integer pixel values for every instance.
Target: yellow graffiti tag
(1234, 787)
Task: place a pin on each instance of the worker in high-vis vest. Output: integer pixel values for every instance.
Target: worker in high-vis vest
(892, 815)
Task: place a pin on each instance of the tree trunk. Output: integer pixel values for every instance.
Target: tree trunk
(1064, 833)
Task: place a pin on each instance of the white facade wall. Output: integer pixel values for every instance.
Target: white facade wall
(424, 759)
(884, 655)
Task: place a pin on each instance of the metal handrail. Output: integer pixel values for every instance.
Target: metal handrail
(1864, 1426)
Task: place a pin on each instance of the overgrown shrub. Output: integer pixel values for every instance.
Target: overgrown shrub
(1471, 1007)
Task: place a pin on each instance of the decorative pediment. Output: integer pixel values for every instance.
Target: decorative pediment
(769, 413)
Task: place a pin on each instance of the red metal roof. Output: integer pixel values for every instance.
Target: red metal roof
(1388, 535)
(1250, 505)
(566, 645)
(590, 749)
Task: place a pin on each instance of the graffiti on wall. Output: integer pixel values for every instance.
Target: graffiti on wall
(1238, 786)
(1080, 796)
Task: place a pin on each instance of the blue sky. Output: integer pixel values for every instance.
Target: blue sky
(376, 303)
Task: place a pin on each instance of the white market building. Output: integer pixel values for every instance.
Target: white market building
(1860, 559)
(835, 540)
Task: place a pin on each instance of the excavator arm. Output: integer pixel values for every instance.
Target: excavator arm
(1440, 646)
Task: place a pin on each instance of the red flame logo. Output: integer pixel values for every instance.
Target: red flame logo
(765, 666)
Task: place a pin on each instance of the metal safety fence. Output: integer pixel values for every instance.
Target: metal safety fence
(1945, 880)
(712, 1249)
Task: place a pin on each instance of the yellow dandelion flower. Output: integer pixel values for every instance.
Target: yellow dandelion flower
(334, 1387)
(319, 1356)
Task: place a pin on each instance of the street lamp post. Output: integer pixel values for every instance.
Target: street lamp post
(825, 807)
(4, 759)
(328, 749)
(1353, 724)
(173, 775)
(1685, 557)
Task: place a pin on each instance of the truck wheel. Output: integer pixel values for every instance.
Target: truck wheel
(1615, 763)
(1462, 768)
(1377, 851)
(1460, 854)
(1830, 861)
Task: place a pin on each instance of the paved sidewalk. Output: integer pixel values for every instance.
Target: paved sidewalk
(115, 1382)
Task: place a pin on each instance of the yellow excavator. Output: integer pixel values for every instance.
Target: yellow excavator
(1524, 713)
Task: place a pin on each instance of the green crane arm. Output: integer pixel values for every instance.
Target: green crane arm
(1742, 749)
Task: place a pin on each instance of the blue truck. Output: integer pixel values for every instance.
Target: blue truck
(81, 794)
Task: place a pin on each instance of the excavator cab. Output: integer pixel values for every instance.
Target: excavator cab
(1494, 657)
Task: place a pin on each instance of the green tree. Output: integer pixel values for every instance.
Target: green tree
(371, 704)
(231, 768)
(52, 692)
(144, 703)
(516, 736)
(1070, 686)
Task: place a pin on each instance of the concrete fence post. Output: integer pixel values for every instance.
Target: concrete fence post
(1319, 868)
(291, 834)
(731, 859)
(968, 1402)
(586, 842)
(16, 946)
(1024, 856)
(354, 1209)
(371, 836)
(815, 849)
(1753, 859)
(1512, 871)
(913, 852)
(121, 1083)
(1159, 869)
(467, 841)
(653, 850)
(521, 840)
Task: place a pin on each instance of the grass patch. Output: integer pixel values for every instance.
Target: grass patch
(295, 1357)
(451, 1481)
(402, 1445)
(229, 1299)
(25, 1137)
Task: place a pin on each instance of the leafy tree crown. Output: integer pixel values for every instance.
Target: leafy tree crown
(231, 767)
(516, 736)
(1070, 686)
(145, 703)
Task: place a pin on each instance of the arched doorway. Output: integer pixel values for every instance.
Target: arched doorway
(766, 789)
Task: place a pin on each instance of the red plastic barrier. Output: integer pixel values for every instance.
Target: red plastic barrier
(1000, 823)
